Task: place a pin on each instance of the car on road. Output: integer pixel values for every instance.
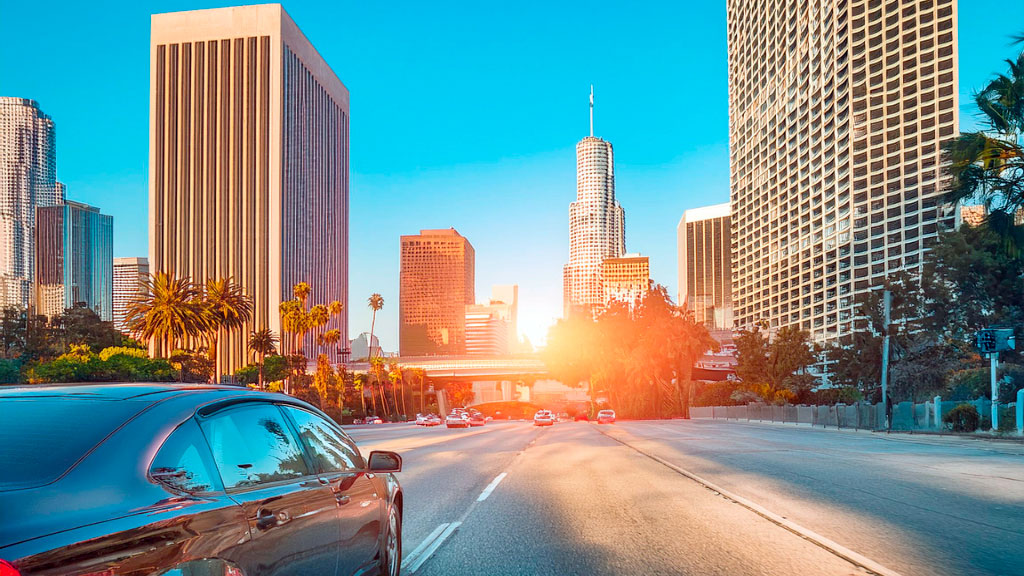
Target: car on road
(606, 417)
(543, 418)
(433, 420)
(169, 479)
(477, 419)
(457, 420)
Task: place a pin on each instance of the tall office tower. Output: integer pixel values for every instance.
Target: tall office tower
(625, 279)
(597, 224)
(249, 151)
(130, 276)
(505, 301)
(28, 180)
(74, 259)
(837, 113)
(486, 331)
(436, 283)
(705, 277)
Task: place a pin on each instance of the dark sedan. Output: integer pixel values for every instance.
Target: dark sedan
(188, 481)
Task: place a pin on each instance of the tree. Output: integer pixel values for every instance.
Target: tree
(359, 384)
(81, 325)
(988, 165)
(228, 308)
(167, 312)
(329, 338)
(377, 367)
(261, 343)
(323, 378)
(376, 303)
(774, 370)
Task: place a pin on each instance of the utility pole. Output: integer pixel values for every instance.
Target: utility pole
(886, 305)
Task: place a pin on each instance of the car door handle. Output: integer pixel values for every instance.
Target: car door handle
(342, 499)
(265, 519)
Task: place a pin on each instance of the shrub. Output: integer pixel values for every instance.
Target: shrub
(716, 393)
(106, 353)
(10, 371)
(963, 418)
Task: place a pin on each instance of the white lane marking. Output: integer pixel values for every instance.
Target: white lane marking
(419, 549)
(425, 555)
(490, 487)
(829, 545)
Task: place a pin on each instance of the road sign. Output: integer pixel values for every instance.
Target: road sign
(994, 340)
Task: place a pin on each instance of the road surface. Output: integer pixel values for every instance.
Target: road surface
(578, 498)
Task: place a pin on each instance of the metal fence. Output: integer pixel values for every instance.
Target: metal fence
(863, 415)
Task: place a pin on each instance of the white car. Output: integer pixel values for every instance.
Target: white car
(606, 417)
(543, 418)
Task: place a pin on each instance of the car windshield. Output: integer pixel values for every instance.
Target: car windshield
(47, 436)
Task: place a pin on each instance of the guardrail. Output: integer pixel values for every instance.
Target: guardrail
(906, 416)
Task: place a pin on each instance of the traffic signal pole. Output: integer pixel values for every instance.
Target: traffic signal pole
(995, 391)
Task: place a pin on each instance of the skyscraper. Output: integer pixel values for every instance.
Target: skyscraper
(249, 153)
(74, 259)
(625, 279)
(28, 180)
(597, 224)
(505, 300)
(837, 113)
(486, 331)
(130, 275)
(435, 285)
(705, 275)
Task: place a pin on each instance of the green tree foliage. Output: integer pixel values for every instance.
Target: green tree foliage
(10, 371)
(81, 325)
(988, 165)
(110, 365)
(775, 370)
(638, 357)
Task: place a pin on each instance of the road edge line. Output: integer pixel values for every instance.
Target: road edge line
(490, 487)
(805, 533)
(414, 555)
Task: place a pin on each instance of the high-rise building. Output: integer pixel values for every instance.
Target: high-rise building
(705, 276)
(249, 152)
(28, 180)
(505, 301)
(74, 259)
(130, 276)
(360, 346)
(436, 283)
(972, 215)
(486, 331)
(837, 113)
(597, 223)
(625, 279)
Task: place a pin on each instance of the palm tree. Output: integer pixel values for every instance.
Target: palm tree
(261, 343)
(359, 384)
(421, 375)
(301, 292)
(375, 302)
(167, 312)
(329, 338)
(318, 317)
(987, 165)
(397, 381)
(377, 365)
(228, 308)
(293, 319)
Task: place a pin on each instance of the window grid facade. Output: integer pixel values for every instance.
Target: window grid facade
(626, 279)
(837, 112)
(437, 282)
(74, 259)
(130, 275)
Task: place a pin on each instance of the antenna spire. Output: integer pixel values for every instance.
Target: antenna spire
(591, 110)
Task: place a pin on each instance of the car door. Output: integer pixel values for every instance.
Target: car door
(291, 512)
(361, 499)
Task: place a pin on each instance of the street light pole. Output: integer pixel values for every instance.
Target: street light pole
(886, 305)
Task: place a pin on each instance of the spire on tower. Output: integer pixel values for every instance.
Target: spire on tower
(591, 110)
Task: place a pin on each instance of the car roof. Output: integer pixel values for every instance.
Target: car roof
(111, 391)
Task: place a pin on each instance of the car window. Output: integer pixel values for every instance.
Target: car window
(329, 448)
(46, 436)
(183, 462)
(252, 445)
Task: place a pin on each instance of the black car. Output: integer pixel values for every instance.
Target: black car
(133, 479)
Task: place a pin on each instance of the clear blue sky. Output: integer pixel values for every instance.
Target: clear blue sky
(464, 114)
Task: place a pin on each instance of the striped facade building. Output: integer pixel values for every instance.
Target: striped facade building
(249, 152)
(837, 113)
(705, 274)
(130, 276)
(74, 259)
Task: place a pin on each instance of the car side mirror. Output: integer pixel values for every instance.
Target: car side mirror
(383, 461)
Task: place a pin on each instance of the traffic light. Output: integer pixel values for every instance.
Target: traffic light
(992, 340)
